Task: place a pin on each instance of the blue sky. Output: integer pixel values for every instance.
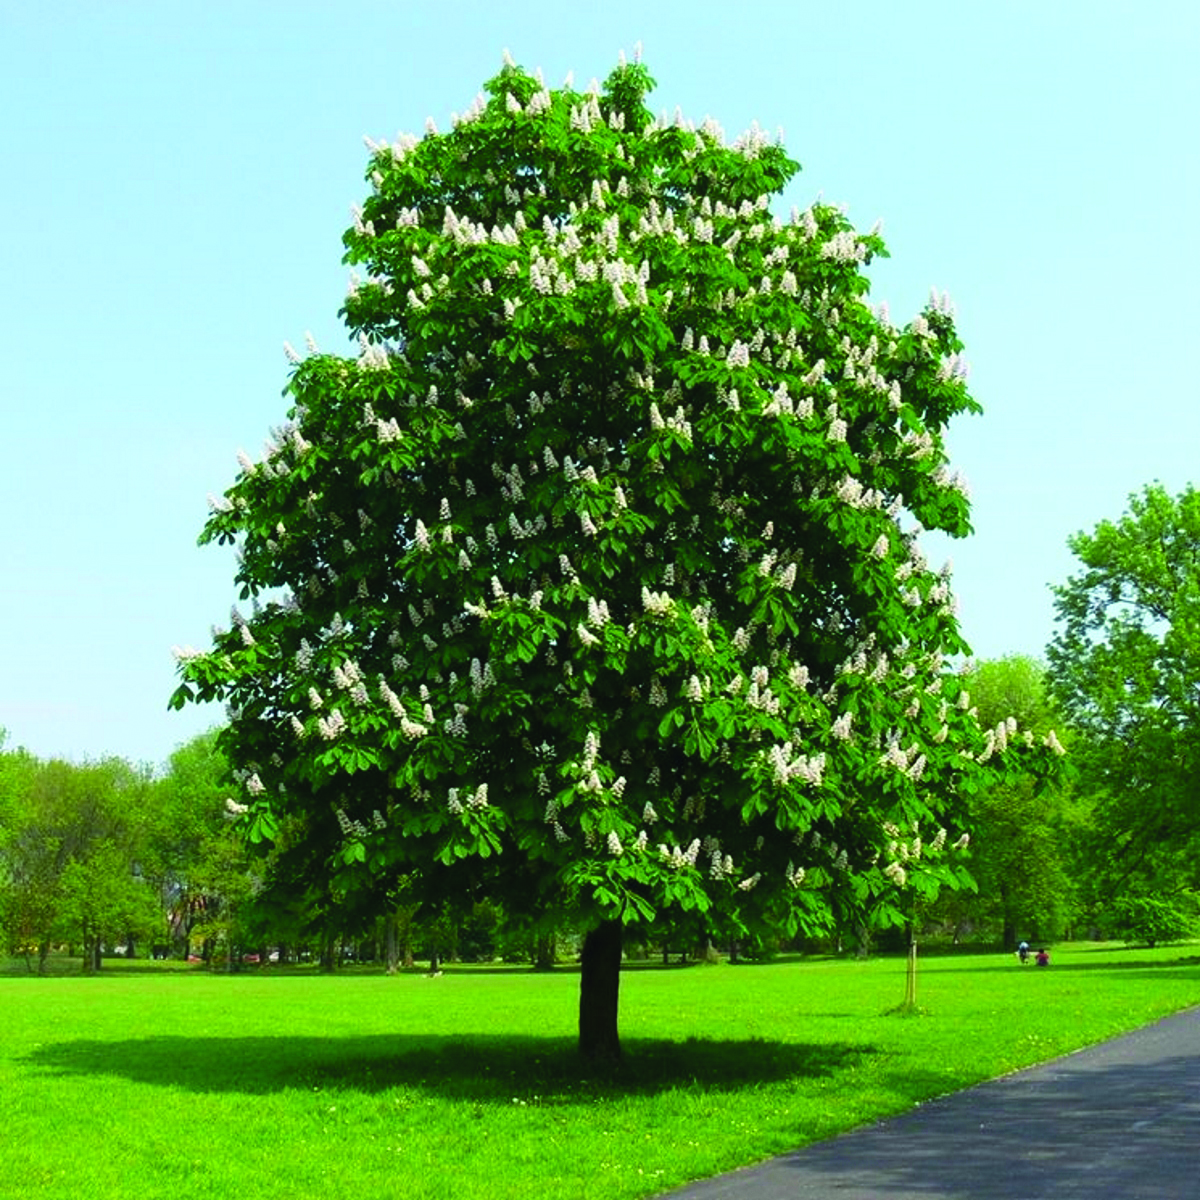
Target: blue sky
(177, 178)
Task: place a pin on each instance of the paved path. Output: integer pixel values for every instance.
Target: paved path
(1118, 1121)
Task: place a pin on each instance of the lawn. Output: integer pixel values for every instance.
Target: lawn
(162, 1083)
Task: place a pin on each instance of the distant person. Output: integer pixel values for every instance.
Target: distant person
(1023, 952)
(1043, 959)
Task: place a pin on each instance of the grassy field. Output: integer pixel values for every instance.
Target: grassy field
(162, 1083)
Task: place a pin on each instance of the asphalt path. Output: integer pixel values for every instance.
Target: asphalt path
(1117, 1121)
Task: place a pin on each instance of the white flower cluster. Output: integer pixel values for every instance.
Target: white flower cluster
(348, 677)
(332, 725)
(837, 426)
(388, 431)
(677, 858)
(586, 636)
(786, 768)
(851, 491)
(349, 828)
(953, 367)
(373, 356)
(481, 676)
(995, 741)
(738, 355)
(719, 867)
(598, 614)
(759, 694)
(658, 604)
(844, 247)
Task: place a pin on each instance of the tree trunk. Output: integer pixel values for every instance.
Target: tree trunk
(544, 952)
(392, 937)
(599, 984)
(328, 956)
(910, 976)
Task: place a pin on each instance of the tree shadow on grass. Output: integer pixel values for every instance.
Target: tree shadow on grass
(481, 1068)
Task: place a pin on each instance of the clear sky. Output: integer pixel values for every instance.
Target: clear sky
(177, 178)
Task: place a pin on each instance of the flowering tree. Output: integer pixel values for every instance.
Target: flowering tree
(599, 565)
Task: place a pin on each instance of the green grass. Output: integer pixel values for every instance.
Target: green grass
(160, 1083)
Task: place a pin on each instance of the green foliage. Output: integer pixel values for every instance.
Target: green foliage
(1024, 829)
(70, 862)
(596, 575)
(1149, 920)
(1124, 666)
(209, 878)
(97, 853)
(102, 901)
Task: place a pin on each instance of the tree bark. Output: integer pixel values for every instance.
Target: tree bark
(392, 938)
(328, 954)
(544, 952)
(599, 984)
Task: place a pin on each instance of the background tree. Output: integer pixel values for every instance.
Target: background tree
(74, 861)
(599, 566)
(29, 863)
(1149, 920)
(190, 816)
(1024, 833)
(103, 902)
(1124, 666)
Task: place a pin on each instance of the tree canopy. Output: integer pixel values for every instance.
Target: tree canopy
(598, 569)
(1124, 666)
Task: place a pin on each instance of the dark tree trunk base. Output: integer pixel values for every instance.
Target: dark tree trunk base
(599, 984)
(544, 954)
(392, 938)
